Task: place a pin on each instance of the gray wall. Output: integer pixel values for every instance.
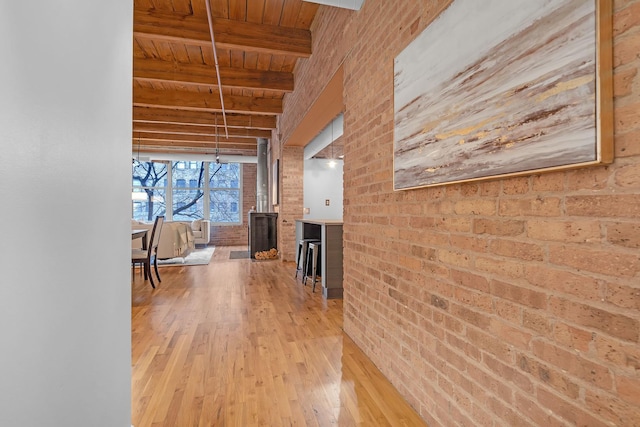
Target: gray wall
(65, 171)
(321, 183)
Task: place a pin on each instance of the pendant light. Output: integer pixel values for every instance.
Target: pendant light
(332, 160)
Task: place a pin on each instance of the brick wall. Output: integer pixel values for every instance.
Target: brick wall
(291, 200)
(234, 235)
(326, 57)
(507, 302)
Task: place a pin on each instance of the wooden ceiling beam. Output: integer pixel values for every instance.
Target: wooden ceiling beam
(149, 136)
(190, 117)
(271, 39)
(240, 78)
(229, 34)
(179, 99)
(243, 151)
(187, 29)
(175, 146)
(210, 131)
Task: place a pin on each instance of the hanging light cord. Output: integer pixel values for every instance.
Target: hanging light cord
(217, 142)
(215, 58)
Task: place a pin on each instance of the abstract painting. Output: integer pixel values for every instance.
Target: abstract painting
(503, 87)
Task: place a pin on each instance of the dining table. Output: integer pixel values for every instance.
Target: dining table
(140, 232)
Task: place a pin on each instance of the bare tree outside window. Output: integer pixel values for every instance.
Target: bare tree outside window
(194, 187)
(149, 185)
(188, 190)
(224, 193)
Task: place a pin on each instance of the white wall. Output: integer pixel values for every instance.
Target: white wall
(323, 183)
(65, 165)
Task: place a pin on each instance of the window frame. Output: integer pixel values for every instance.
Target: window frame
(160, 186)
(238, 189)
(167, 186)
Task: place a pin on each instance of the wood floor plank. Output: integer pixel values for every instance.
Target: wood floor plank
(242, 343)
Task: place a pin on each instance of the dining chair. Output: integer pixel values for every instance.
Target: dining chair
(146, 256)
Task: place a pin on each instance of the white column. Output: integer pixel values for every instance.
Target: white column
(65, 186)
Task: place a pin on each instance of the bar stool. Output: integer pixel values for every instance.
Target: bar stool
(301, 256)
(313, 251)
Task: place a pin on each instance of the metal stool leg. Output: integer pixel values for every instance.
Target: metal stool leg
(301, 258)
(314, 269)
(301, 244)
(307, 263)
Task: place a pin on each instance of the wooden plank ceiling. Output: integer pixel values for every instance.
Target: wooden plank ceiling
(176, 101)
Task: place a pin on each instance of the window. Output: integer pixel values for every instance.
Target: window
(149, 190)
(224, 193)
(194, 190)
(188, 201)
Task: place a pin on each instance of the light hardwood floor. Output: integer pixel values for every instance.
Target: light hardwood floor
(242, 343)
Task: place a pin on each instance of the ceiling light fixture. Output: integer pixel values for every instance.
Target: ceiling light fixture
(332, 161)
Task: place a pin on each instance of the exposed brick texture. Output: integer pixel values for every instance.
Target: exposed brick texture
(505, 302)
(291, 200)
